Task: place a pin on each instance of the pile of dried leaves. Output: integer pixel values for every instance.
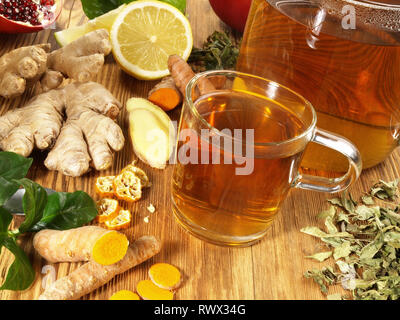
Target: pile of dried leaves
(220, 51)
(364, 240)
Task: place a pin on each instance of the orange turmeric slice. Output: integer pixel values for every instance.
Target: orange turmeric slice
(147, 290)
(165, 276)
(121, 221)
(127, 186)
(110, 248)
(104, 186)
(108, 209)
(124, 295)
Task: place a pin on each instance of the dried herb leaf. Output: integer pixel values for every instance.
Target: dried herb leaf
(320, 256)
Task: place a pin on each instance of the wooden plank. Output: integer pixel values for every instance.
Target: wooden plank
(270, 269)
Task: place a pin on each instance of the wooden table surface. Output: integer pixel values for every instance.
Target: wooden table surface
(271, 269)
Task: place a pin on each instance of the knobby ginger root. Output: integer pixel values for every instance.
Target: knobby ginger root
(81, 244)
(92, 275)
(165, 276)
(83, 58)
(165, 94)
(147, 290)
(21, 68)
(88, 136)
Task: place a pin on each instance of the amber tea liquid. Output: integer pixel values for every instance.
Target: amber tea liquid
(212, 199)
(351, 77)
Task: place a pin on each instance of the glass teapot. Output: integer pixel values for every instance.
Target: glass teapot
(341, 55)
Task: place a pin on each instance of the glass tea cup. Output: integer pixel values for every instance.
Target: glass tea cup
(240, 144)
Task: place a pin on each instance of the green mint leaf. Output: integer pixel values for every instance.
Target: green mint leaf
(20, 275)
(33, 202)
(66, 211)
(7, 189)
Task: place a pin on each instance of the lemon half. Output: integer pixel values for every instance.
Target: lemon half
(145, 34)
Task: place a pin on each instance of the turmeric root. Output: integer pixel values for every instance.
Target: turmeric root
(81, 244)
(165, 276)
(147, 290)
(182, 73)
(21, 68)
(165, 94)
(92, 275)
(87, 137)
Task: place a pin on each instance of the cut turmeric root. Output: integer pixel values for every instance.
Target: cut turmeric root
(92, 275)
(103, 246)
(124, 295)
(165, 94)
(147, 290)
(165, 276)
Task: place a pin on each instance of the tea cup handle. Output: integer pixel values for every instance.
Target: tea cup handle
(331, 185)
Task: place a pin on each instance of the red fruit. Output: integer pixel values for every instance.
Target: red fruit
(233, 12)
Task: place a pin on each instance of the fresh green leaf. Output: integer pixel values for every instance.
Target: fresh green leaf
(66, 211)
(7, 189)
(5, 219)
(20, 275)
(95, 8)
(33, 202)
(13, 166)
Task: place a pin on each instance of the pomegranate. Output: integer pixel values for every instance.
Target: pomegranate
(32, 12)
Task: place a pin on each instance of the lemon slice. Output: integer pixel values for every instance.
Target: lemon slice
(145, 34)
(104, 21)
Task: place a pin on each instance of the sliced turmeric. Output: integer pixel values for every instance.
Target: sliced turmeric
(104, 186)
(165, 276)
(108, 209)
(103, 246)
(92, 275)
(124, 295)
(121, 221)
(127, 186)
(165, 94)
(147, 290)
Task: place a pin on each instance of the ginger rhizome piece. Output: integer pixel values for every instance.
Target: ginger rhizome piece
(124, 295)
(151, 131)
(103, 246)
(108, 209)
(165, 276)
(92, 275)
(21, 68)
(165, 94)
(121, 221)
(89, 135)
(83, 58)
(147, 290)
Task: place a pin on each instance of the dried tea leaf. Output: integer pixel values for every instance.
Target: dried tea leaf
(385, 190)
(368, 200)
(320, 256)
(342, 251)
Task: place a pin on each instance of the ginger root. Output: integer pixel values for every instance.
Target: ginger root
(81, 244)
(81, 60)
(92, 275)
(165, 94)
(88, 136)
(21, 68)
